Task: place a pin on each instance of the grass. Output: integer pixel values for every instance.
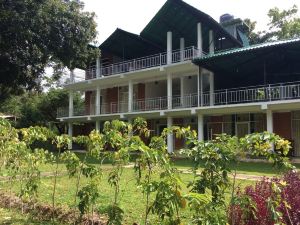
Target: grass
(253, 168)
(132, 200)
(8, 217)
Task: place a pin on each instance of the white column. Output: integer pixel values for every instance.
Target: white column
(98, 99)
(71, 106)
(169, 91)
(170, 136)
(182, 90)
(182, 46)
(70, 133)
(269, 121)
(130, 96)
(169, 47)
(199, 39)
(200, 128)
(201, 88)
(98, 67)
(98, 125)
(72, 76)
(211, 88)
(211, 42)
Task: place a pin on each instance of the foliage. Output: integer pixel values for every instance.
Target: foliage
(165, 197)
(43, 32)
(217, 156)
(39, 108)
(272, 201)
(283, 24)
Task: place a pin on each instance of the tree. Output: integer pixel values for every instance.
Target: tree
(34, 108)
(283, 24)
(254, 37)
(35, 33)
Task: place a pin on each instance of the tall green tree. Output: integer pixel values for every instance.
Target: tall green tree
(33, 108)
(283, 24)
(35, 33)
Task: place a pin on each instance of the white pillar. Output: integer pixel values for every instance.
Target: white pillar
(211, 42)
(182, 46)
(199, 39)
(211, 88)
(70, 133)
(170, 136)
(130, 96)
(169, 47)
(201, 88)
(269, 121)
(98, 125)
(200, 127)
(71, 106)
(98, 101)
(72, 76)
(182, 91)
(169, 91)
(98, 67)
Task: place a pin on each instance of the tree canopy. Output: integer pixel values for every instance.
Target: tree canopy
(35, 33)
(34, 108)
(283, 24)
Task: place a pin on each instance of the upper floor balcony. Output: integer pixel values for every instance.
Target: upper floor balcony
(243, 95)
(152, 61)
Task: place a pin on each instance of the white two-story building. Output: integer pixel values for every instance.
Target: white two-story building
(186, 69)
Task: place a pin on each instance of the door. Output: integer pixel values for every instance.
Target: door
(296, 136)
(213, 129)
(242, 129)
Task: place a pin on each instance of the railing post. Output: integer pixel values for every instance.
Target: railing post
(193, 52)
(281, 91)
(160, 59)
(270, 94)
(226, 97)
(182, 49)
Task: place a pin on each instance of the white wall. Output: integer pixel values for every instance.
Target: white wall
(190, 85)
(153, 90)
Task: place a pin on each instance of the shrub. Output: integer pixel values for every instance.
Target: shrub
(270, 201)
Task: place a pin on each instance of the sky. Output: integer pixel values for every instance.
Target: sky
(133, 15)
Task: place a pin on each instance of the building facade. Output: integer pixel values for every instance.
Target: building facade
(186, 69)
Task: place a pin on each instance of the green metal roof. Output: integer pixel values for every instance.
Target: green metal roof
(128, 45)
(176, 16)
(181, 18)
(247, 49)
(273, 62)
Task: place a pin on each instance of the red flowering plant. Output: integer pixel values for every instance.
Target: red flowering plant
(270, 201)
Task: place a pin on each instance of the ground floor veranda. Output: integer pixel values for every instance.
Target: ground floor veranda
(284, 123)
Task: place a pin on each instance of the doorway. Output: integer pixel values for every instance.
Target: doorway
(242, 129)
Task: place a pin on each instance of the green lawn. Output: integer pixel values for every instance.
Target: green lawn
(9, 217)
(253, 168)
(132, 200)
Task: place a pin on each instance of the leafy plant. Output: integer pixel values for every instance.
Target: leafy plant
(270, 201)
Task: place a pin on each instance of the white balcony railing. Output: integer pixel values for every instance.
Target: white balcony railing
(138, 64)
(274, 92)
